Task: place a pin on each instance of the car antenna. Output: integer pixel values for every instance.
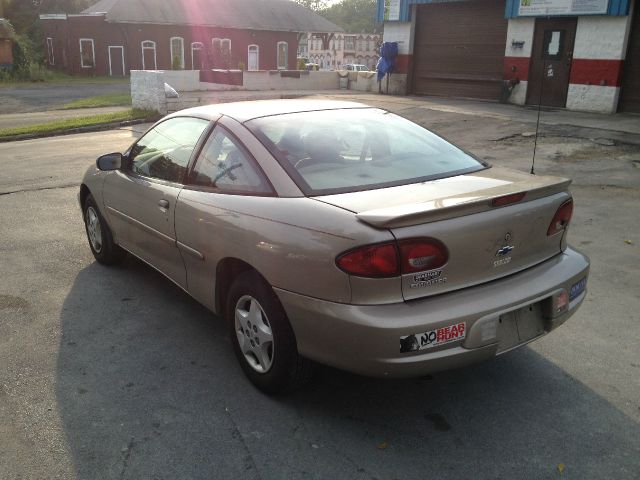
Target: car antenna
(535, 143)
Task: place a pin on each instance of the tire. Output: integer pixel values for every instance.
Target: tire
(99, 235)
(262, 337)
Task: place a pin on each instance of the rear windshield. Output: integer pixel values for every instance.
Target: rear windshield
(338, 151)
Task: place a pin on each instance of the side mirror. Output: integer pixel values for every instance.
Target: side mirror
(110, 161)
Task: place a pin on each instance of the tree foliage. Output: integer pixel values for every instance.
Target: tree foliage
(23, 14)
(313, 4)
(28, 51)
(354, 16)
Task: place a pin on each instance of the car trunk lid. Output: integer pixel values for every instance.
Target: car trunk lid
(485, 239)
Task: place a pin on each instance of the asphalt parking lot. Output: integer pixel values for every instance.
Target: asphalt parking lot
(114, 373)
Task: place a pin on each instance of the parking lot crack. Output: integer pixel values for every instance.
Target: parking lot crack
(251, 464)
(127, 455)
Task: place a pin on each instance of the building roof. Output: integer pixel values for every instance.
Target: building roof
(278, 15)
(6, 30)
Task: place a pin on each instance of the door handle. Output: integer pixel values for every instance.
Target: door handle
(163, 204)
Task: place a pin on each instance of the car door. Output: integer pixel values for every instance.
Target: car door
(140, 198)
(224, 182)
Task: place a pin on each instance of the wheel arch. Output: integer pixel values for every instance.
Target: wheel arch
(227, 270)
(84, 193)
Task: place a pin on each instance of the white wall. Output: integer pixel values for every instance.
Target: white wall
(601, 38)
(182, 80)
(593, 98)
(401, 33)
(147, 90)
(147, 87)
(520, 30)
(271, 80)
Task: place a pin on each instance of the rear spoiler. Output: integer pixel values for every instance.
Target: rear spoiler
(460, 205)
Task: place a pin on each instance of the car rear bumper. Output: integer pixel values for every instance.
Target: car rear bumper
(497, 317)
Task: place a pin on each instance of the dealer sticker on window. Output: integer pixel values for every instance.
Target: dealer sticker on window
(433, 338)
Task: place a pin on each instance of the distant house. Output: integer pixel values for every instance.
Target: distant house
(330, 52)
(7, 36)
(114, 37)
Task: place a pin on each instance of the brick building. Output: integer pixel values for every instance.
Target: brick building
(115, 36)
(582, 55)
(6, 44)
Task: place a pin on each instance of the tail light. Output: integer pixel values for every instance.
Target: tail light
(374, 261)
(393, 259)
(562, 218)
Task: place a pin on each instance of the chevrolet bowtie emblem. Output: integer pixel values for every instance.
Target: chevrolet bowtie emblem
(507, 249)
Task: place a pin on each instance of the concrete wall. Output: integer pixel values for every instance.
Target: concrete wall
(147, 86)
(273, 80)
(516, 58)
(596, 69)
(403, 33)
(147, 90)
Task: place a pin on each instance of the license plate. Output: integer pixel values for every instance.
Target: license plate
(577, 289)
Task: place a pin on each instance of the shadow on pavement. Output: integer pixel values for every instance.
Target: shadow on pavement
(148, 387)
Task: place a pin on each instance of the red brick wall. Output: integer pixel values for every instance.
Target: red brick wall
(6, 51)
(66, 35)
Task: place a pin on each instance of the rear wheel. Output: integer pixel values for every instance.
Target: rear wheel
(101, 241)
(262, 337)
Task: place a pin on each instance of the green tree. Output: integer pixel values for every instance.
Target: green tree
(23, 14)
(313, 4)
(354, 16)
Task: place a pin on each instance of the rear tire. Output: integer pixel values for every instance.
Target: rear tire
(262, 337)
(101, 242)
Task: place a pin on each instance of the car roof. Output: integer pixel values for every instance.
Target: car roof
(249, 110)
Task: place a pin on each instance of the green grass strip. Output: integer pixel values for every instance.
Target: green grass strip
(110, 100)
(73, 123)
(56, 78)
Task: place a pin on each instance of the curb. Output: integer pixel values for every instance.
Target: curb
(71, 131)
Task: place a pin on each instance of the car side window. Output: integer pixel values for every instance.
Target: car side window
(225, 165)
(164, 151)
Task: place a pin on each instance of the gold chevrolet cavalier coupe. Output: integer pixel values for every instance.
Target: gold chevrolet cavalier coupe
(339, 233)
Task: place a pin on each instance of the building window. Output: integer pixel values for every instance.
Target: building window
(221, 52)
(149, 55)
(50, 55)
(196, 55)
(177, 53)
(283, 55)
(350, 43)
(253, 60)
(87, 53)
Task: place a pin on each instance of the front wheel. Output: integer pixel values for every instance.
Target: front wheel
(101, 242)
(262, 337)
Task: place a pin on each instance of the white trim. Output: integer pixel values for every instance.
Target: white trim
(181, 53)
(50, 53)
(93, 52)
(286, 60)
(155, 58)
(124, 72)
(200, 46)
(53, 16)
(257, 49)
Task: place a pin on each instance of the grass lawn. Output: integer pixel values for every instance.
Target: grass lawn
(110, 100)
(72, 123)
